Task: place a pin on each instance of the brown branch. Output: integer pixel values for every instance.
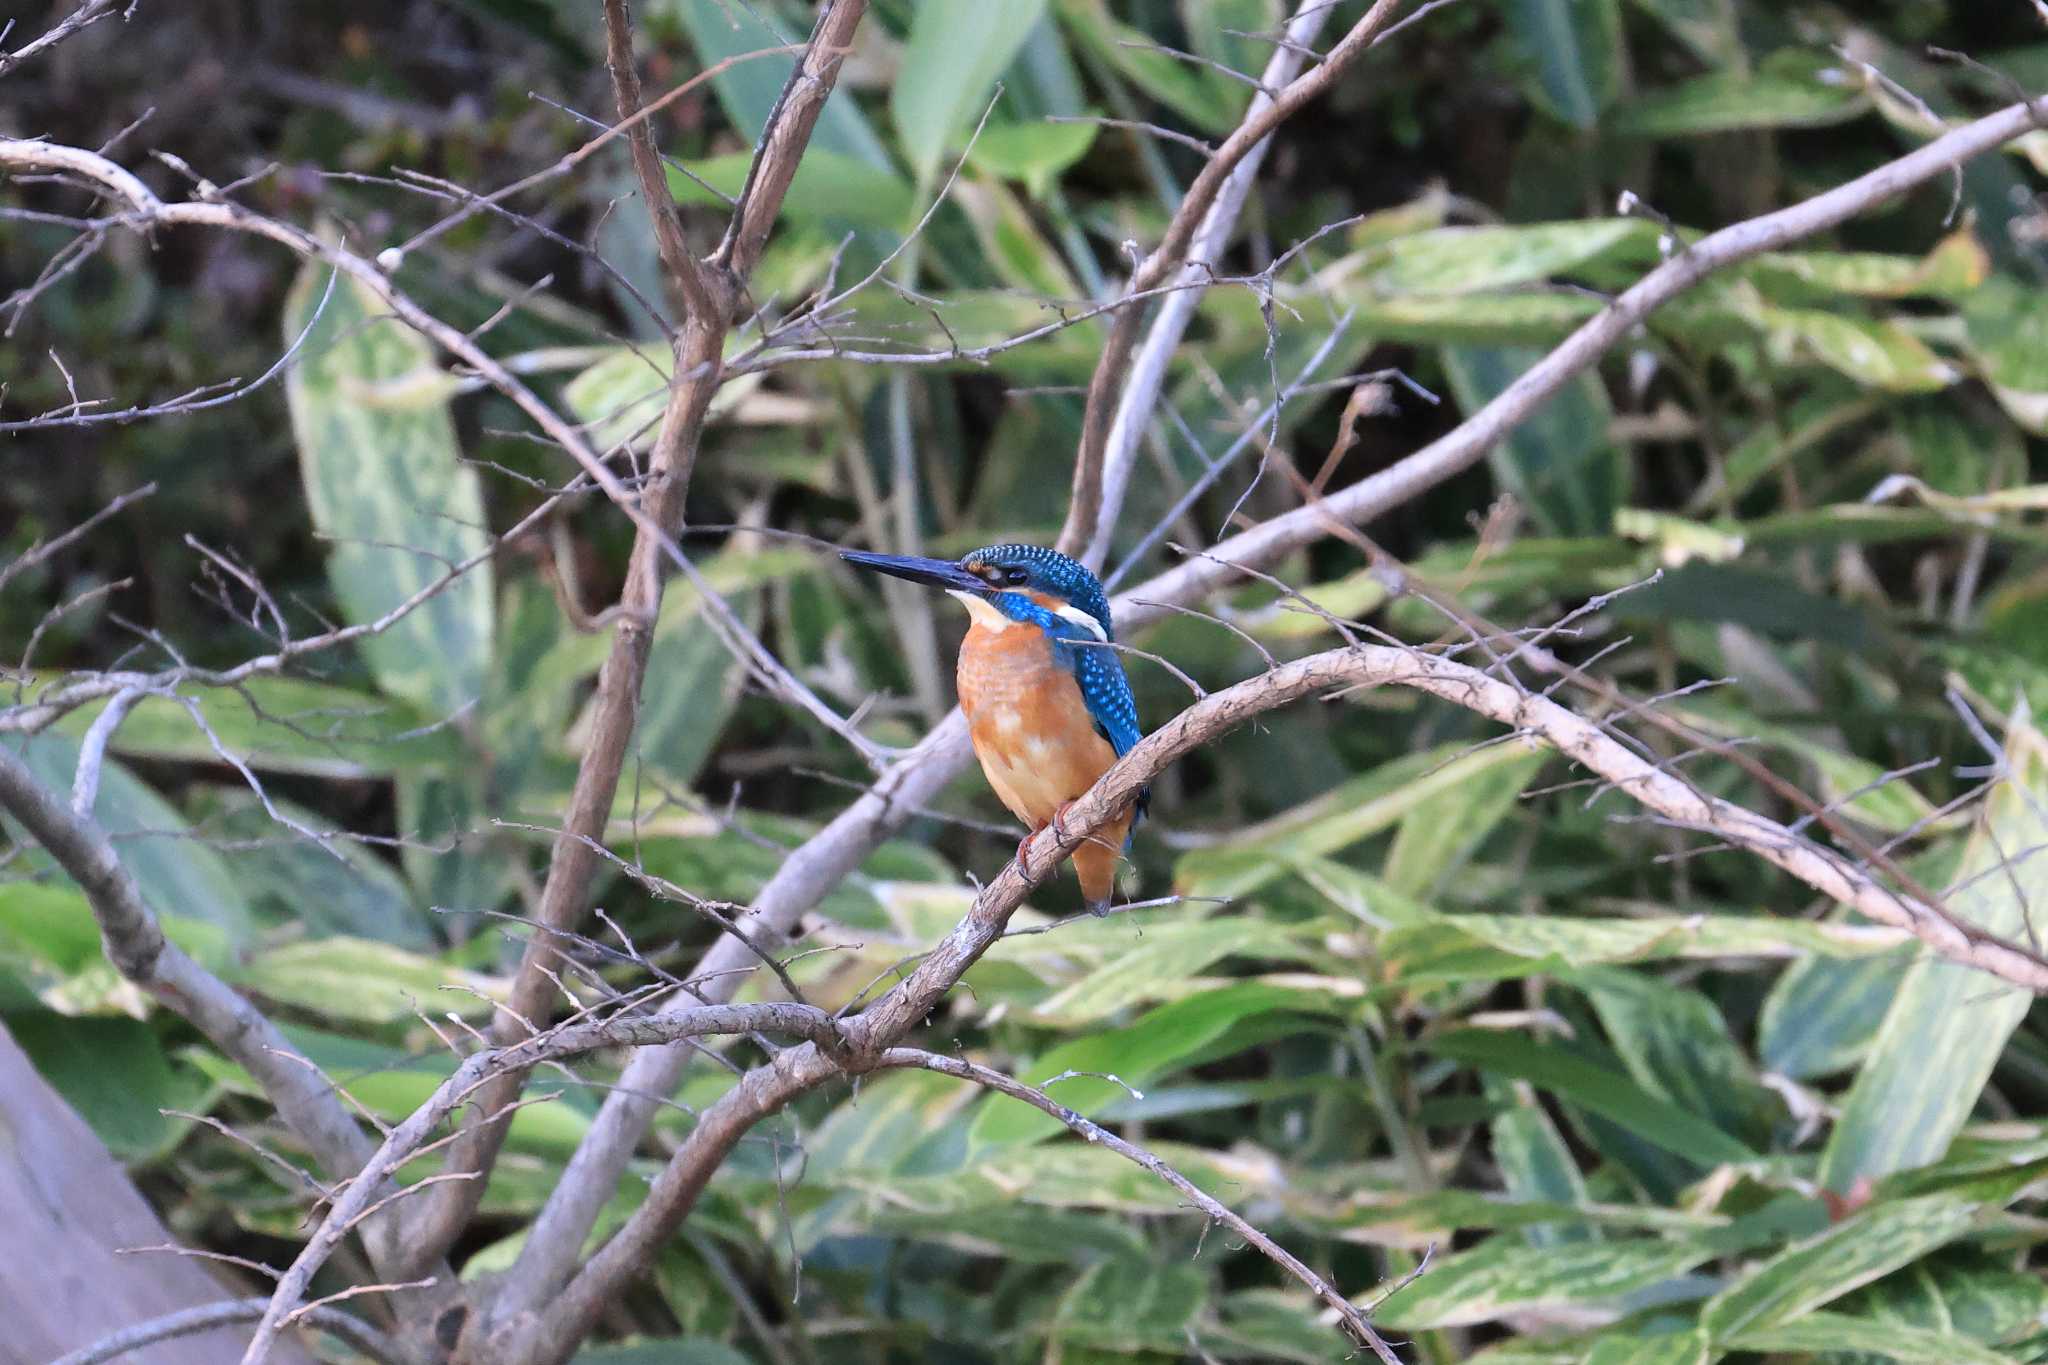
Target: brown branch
(787, 133)
(698, 373)
(188, 1321)
(692, 281)
(88, 12)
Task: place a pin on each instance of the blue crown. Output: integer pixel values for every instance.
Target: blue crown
(1049, 572)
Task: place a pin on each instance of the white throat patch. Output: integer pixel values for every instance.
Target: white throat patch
(984, 614)
(980, 610)
(1084, 620)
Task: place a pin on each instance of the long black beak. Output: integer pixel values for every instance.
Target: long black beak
(933, 573)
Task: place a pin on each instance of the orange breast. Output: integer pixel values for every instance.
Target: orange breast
(1031, 730)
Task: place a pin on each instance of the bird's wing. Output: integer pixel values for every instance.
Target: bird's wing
(1104, 689)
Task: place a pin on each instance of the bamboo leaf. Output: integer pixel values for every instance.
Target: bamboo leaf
(950, 65)
(1824, 1267)
(1595, 1088)
(1948, 1024)
(385, 483)
(1503, 1277)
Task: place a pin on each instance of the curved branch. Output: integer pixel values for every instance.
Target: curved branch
(206, 1317)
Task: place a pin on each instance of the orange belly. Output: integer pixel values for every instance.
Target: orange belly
(1037, 744)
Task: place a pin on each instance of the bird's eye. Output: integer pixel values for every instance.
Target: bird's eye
(1014, 576)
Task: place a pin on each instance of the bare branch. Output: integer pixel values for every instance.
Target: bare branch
(88, 12)
(703, 302)
(187, 1322)
(698, 373)
(136, 946)
(1084, 514)
(787, 134)
(1354, 1321)
(355, 1200)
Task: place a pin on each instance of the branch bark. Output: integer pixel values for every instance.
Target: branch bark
(205, 1318)
(700, 349)
(1147, 372)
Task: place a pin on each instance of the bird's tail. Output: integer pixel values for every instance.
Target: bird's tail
(1096, 860)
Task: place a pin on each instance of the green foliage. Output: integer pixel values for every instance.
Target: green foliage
(1638, 1103)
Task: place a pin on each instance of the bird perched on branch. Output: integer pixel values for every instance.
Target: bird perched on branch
(1045, 695)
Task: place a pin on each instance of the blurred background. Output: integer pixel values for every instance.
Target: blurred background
(1449, 1003)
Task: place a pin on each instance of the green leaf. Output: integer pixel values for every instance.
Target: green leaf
(115, 1074)
(1948, 1023)
(1558, 462)
(365, 981)
(1151, 1046)
(287, 725)
(1438, 835)
(1881, 354)
(1469, 260)
(1133, 54)
(1708, 27)
(1594, 1088)
(1535, 1165)
(1677, 1046)
(178, 875)
(1167, 956)
(1956, 266)
(1029, 1235)
(1670, 1348)
(1130, 1306)
(950, 64)
(1852, 1253)
(1361, 807)
(1964, 1289)
(1789, 90)
(337, 887)
(1034, 153)
(1827, 1333)
(386, 487)
(828, 188)
(1820, 1016)
(1575, 48)
(1502, 1277)
(1806, 425)
(1682, 936)
(2008, 338)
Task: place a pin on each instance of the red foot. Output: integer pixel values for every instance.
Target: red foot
(1025, 840)
(1059, 823)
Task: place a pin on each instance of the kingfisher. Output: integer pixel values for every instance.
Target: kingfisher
(1046, 699)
